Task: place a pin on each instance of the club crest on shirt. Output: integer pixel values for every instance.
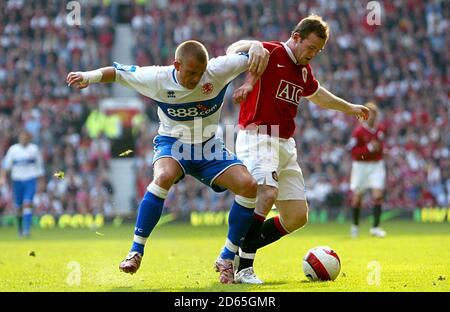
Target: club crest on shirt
(304, 74)
(275, 175)
(207, 88)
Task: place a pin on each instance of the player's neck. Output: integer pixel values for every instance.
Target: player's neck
(291, 45)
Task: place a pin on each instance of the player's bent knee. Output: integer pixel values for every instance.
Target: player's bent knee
(165, 179)
(270, 194)
(247, 187)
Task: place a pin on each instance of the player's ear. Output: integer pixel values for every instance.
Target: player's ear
(177, 65)
(296, 36)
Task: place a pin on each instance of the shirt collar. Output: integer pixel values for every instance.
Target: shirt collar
(290, 53)
(174, 75)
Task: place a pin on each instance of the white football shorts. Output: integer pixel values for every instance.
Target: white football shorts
(367, 175)
(272, 161)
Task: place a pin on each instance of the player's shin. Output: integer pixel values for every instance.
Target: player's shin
(239, 220)
(150, 210)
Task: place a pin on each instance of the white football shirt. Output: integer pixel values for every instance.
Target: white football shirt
(192, 116)
(25, 162)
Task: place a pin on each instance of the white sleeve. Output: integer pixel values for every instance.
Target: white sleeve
(229, 66)
(142, 79)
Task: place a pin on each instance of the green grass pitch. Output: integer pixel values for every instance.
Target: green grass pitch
(179, 257)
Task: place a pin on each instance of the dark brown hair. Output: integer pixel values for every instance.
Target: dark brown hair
(312, 24)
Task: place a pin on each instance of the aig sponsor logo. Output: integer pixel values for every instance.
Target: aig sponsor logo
(289, 92)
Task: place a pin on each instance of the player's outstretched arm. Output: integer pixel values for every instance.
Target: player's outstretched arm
(240, 46)
(82, 79)
(328, 100)
(258, 55)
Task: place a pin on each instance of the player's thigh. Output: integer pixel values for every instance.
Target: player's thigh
(259, 153)
(377, 175)
(294, 213)
(166, 171)
(291, 184)
(18, 190)
(359, 177)
(238, 180)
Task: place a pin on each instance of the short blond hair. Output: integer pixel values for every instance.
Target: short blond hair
(192, 49)
(372, 106)
(312, 24)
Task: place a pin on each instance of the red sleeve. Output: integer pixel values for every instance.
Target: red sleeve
(311, 83)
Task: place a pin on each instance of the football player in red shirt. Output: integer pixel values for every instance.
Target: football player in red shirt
(265, 140)
(368, 169)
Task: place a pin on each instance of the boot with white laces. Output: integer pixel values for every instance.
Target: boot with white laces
(247, 276)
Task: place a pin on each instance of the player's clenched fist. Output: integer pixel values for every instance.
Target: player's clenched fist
(361, 112)
(83, 79)
(240, 94)
(77, 79)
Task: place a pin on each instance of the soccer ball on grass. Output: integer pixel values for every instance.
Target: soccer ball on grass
(321, 264)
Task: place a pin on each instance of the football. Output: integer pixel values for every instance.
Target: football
(321, 264)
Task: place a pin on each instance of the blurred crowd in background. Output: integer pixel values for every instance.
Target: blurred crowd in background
(402, 64)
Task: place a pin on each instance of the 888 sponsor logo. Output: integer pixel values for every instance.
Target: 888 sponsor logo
(191, 112)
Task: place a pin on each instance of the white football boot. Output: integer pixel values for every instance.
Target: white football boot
(354, 231)
(377, 232)
(247, 276)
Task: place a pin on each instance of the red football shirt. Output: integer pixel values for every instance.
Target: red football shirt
(276, 95)
(361, 137)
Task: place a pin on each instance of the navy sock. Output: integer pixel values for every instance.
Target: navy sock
(150, 210)
(239, 221)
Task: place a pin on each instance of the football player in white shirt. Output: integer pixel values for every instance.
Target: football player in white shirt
(24, 160)
(189, 95)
